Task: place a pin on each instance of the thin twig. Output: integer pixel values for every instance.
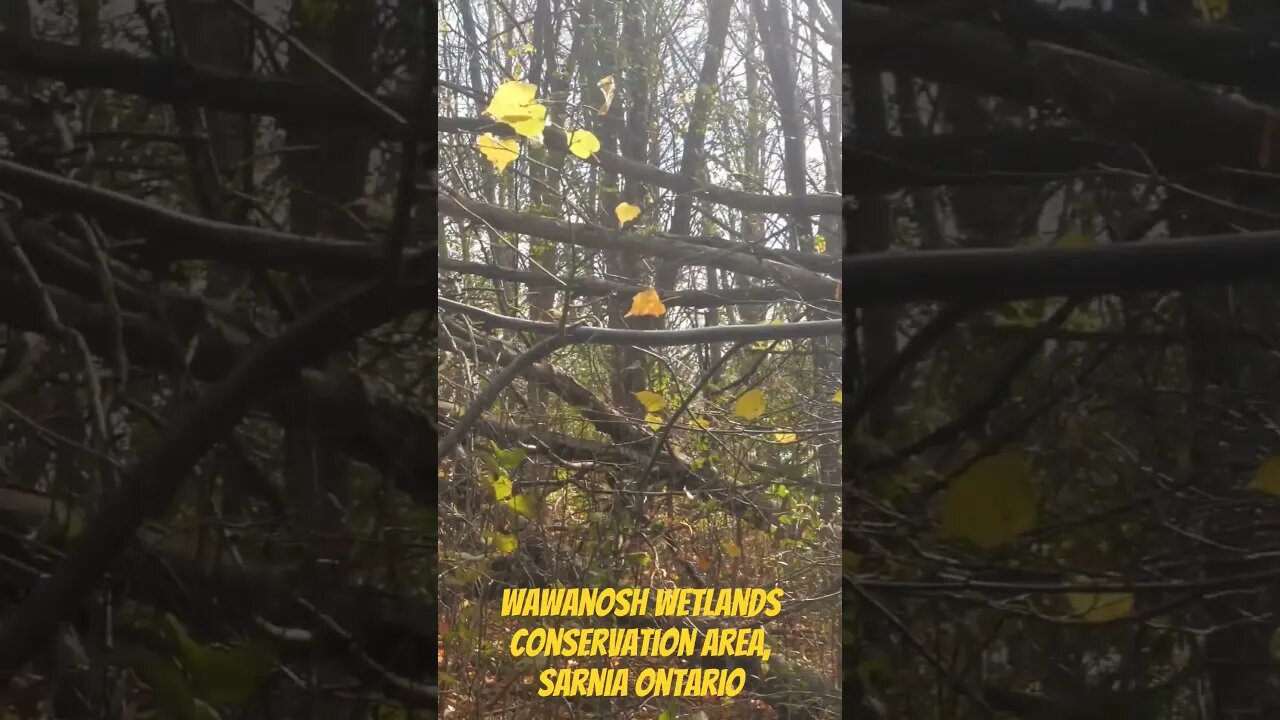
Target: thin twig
(297, 44)
(920, 647)
(55, 437)
(406, 687)
(661, 438)
(495, 387)
(55, 326)
(106, 284)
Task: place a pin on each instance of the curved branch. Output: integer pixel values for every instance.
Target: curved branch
(177, 235)
(495, 387)
(915, 349)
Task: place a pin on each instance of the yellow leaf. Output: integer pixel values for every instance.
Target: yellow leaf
(784, 438)
(522, 505)
(652, 401)
(1100, 607)
(730, 549)
(606, 87)
(502, 487)
(626, 212)
(838, 398)
(1268, 478)
(750, 405)
(498, 151)
(532, 124)
(511, 101)
(655, 422)
(646, 303)
(514, 105)
(700, 423)
(992, 502)
(503, 543)
(583, 143)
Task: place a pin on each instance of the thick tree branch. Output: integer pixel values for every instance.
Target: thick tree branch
(486, 397)
(1213, 53)
(153, 482)
(368, 424)
(588, 335)
(1009, 157)
(598, 287)
(1121, 97)
(174, 235)
(743, 259)
(1009, 274)
(175, 82)
(555, 139)
(673, 471)
(608, 420)
(164, 572)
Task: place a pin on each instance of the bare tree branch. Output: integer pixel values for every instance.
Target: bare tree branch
(153, 482)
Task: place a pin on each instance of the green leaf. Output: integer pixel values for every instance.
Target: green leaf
(232, 676)
(224, 676)
(509, 459)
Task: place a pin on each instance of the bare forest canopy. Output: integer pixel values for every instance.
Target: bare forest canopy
(215, 324)
(1061, 464)
(640, 327)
